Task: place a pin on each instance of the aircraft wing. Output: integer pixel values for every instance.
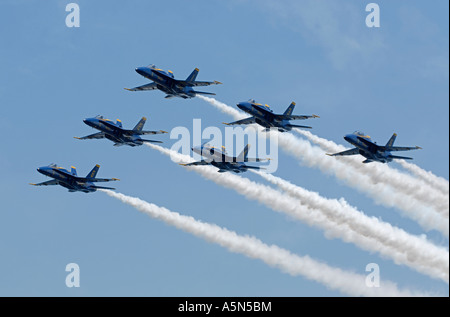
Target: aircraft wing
(354, 151)
(197, 83)
(196, 163)
(99, 135)
(151, 86)
(399, 148)
(243, 121)
(47, 183)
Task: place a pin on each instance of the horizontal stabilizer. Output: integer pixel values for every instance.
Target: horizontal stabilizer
(400, 157)
(204, 93)
(298, 126)
(102, 187)
(151, 141)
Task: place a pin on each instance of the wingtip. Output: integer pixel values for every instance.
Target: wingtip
(32, 184)
(418, 147)
(162, 131)
(115, 179)
(182, 164)
(315, 116)
(128, 89)
(225, 123)
(329, 154)
(75, 137)
(217, 82)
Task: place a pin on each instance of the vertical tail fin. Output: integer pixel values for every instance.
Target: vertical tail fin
(391, 141)
(140, 124)
(94, 172)
(289, 109)
(73, 170)
(193, 75)
(244, 154)
(119, 123)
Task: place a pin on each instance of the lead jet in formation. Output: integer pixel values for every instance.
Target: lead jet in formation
(115, 132)
(264, 116)
(166, 82)
(371, 151)
(225, 163)
(71, 181)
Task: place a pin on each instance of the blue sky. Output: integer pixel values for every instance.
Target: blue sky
(319, 54)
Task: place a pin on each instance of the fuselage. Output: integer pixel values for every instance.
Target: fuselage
(66, 179)
(112, 134)
(264, 116)
(369, 152)
(166, 82)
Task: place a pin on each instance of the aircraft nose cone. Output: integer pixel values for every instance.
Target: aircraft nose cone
(140, 71)
(241, 106)
(347, 138)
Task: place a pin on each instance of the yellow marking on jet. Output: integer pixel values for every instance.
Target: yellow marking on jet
(162, 131)
(128, 89)
(75, 137)
(197, 69)
(315, 116)
(115, 179)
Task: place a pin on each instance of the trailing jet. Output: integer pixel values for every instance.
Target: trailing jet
(225, 163)
(371, 151)
(115, 132)
(264, 116)
(166, 82)
(71, 181)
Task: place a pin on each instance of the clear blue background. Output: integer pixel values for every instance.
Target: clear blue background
(319, 54)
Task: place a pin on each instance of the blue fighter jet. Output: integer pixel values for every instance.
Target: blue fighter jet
(115, 132)
(225, 163)
(371, 151)
(70, 180)
(166, 82)
(264, 116)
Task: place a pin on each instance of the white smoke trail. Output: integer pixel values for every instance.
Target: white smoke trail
(419, 189)
(403, 195)
(428, 177)
(334, 278)
(424, 255)
(412, 251)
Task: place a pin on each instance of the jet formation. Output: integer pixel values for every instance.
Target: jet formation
(71, 181)
(260, 114)
(264, 116)
(371, 151)
(166, 82)
(115, 132)
(219, 158)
